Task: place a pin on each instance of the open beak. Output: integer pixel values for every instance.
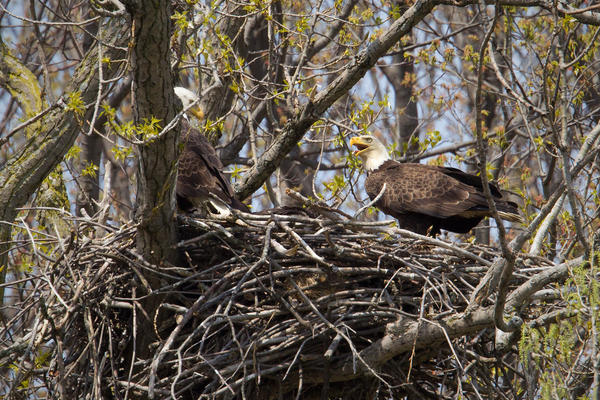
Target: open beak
(355, 141)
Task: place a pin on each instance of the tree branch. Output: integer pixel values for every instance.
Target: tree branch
(54, 135)
(295, 129)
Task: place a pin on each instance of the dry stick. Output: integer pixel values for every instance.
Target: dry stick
(243, 356)
(129, 385)
(221, 377)
(300, 381)
(29, 349)
(333, 346)
(179, 371)
(441, 243)
(375, 200)
(94, 352)
(169, 342)
(261, 261)
(133, 352)
(280, 298)
(44, 276)
(414, 344)
(355, 353)
(295, 359)
(75, 298)
(247, 378)
(58, 337)
(298, 239)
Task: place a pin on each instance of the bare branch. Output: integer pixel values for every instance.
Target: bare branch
(311, 112)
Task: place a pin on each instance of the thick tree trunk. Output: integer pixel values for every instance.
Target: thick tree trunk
(153, 100)
(157, 159)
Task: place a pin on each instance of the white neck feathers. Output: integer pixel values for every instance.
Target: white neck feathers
(375, 159)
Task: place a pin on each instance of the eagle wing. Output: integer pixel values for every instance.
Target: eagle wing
(422, 189)
(200, 172)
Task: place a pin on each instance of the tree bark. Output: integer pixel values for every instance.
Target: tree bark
(157, 158)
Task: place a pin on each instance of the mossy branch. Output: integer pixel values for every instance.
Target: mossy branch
(21, 83)
(56, 132)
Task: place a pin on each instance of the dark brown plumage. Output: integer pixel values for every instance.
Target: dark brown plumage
(200, 174)
(427, 198)
(201, 184)
(424, 197)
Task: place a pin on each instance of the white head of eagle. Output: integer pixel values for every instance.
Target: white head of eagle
(188, 98)
(372, 152)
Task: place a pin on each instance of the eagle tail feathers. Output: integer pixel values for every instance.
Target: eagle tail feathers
(509, 211)
(510, 216)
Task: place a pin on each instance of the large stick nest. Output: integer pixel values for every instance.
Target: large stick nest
(272, 307)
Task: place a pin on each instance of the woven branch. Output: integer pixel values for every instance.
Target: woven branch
(266, 306)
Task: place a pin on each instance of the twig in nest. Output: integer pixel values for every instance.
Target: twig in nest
(370, 204)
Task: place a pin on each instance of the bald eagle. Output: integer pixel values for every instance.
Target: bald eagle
(201, 184)
(426, 198)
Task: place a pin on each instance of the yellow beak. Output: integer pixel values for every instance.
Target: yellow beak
(197, 112)
(356, 141)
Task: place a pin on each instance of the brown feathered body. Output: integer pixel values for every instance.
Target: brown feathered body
(201, 182)
(427, 198)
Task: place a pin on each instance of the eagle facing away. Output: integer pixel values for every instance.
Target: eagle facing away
(425, 198)
(201, 184)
